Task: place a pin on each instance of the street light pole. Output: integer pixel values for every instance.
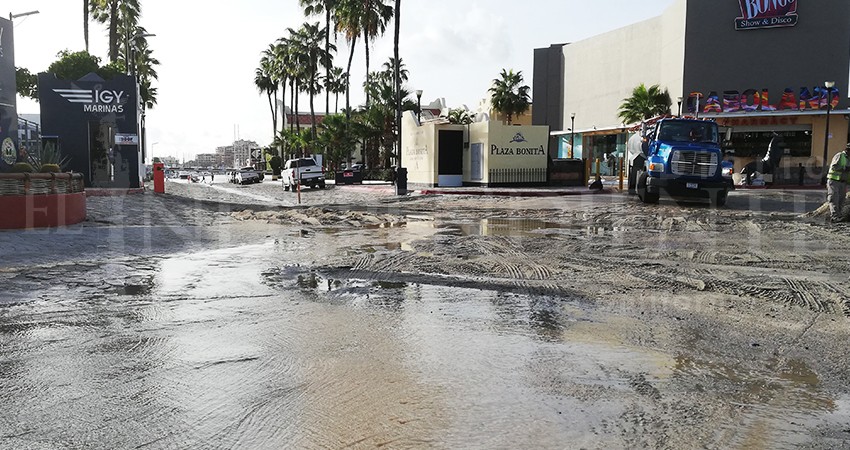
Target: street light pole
(572, 133)
(419, 105)
(15, 16)
(829, 85)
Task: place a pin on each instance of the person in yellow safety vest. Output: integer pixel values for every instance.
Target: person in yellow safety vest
(836, 184)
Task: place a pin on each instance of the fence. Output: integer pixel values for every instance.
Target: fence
(517, 176)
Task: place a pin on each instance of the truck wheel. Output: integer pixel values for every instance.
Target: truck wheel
(718, 199)
(322, 184)
(643, 194)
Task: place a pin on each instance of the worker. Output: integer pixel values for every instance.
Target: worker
(836, 185)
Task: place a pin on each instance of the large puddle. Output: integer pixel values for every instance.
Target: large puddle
(245, 347)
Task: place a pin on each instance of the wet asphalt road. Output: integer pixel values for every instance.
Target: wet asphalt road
(205, 332)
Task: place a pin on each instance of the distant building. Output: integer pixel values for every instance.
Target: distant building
(750, 65)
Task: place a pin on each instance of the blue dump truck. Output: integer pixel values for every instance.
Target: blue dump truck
(683, 158)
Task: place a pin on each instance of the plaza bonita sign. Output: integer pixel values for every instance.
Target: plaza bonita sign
(766, 14)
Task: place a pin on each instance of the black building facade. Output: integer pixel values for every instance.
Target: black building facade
(9, 153)
(95, 123)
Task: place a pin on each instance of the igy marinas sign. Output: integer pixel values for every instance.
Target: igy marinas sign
(766, 14)
(95, 100)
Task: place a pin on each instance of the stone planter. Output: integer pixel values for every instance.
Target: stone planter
(41, 200)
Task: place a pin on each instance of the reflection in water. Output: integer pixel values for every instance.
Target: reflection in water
(264, 355)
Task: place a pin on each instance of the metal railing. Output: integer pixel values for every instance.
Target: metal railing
(533, 175)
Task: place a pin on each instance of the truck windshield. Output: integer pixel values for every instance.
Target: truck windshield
(688, 132)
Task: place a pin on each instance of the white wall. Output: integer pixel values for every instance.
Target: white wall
(602, 71)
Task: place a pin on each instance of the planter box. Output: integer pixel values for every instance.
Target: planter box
(41, 200)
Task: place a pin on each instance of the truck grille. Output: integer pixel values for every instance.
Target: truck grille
(700, 164)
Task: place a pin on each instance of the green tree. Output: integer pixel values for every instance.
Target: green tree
(378, 121)
(316, 7)
(311, 56)
(267, 81)
(509, 96)
(26, 83)
(459, 116)
(121, 17)
(336, 84)
(645, 103)
(365, 19)
(337, 138)
(75, 65)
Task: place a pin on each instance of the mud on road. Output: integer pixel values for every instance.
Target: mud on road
(439, 321)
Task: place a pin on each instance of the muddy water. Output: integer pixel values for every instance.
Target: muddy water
(249, 347)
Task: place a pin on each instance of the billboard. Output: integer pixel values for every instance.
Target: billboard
(766, 14)
(8, 110)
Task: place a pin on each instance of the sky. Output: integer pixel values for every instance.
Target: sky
(209, 50)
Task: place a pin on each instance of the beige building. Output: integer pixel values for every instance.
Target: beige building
(437, 153)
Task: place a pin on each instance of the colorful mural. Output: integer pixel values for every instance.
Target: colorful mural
(753, 100)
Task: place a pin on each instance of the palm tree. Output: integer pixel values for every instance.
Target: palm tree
(509, 96)
(122, 17)
(266, 81)
(336, 84)
(377, 16)
(644, 104)
(459, 116)
(313, 7)
(361, 18)
(311, 56)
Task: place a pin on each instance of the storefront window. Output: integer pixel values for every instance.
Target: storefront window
(755, 143)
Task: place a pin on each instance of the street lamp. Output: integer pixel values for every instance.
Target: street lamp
(680, 107)
(15, 16)
(572, 133)
(829, 85)
(419, 105)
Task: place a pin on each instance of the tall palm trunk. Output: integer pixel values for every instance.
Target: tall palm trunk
(113, 31)
(366, 39)
(86, 23)
(328, 52)
(397, 81)
(283, 111)
(348, 76)
(292, 103)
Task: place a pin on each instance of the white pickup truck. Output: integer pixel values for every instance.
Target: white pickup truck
(246, 175)
(302, 171)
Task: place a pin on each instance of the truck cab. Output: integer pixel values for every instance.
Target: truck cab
(685, 159)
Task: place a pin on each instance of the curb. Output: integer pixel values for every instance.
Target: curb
(113, 192)
(503, 193)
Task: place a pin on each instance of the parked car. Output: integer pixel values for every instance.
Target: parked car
(246, 175)
(302, 171)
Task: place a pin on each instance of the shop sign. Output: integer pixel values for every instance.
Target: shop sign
(515, 150)
(760, 121)
(8, 151)
(752, 100)
(126, 139)
(94, 100)
(757, 14)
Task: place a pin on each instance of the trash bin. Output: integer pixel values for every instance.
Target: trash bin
(401, 181)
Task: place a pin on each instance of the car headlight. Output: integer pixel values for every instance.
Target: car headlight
(656, 167)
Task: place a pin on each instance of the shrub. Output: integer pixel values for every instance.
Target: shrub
(22, 167)
(50, 168)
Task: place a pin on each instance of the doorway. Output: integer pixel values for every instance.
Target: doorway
(450, 158)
